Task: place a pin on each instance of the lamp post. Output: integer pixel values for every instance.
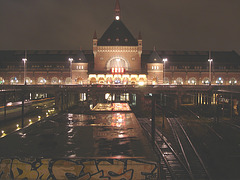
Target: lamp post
(164, 61)
(24, 75)
(70, 60)
(210, 68)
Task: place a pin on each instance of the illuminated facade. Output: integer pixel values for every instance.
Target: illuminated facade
(118, 58)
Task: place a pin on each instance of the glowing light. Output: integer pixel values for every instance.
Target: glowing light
(30, 121)
(117, 18)
(18, 127)
(3, 134)
(165, 60)
(141, 83)
(39, 118)
(24, 60)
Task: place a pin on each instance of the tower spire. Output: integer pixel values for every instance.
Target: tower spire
(117, 10)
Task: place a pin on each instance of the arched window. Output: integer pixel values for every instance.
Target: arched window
(41, 80)
(219, 81)
(133, 80)
(101, 80)
(141, 81)
(13, 80)
(192, 81)
(68, 80)
(54, 80)
(179, 81)
(232, 81)
(205, 80)
(93, 80)
(117, 62)
(28, 80)
(166, 80)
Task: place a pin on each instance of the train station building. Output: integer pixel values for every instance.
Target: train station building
(117, 57)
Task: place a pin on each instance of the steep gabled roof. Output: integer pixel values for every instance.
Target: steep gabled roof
(80, 58)
(154, 58)
(117, 35)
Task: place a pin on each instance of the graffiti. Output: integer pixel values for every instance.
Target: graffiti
(83, 169)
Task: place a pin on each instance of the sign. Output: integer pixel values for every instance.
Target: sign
(117, 70)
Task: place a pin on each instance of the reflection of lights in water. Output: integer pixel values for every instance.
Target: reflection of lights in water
(118, 120)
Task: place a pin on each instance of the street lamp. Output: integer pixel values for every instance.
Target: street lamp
(164, 61)
(210, 68)
(24, 75)
(70, 60)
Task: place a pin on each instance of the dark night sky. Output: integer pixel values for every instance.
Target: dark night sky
(167, 24)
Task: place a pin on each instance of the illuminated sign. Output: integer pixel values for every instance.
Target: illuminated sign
(117, 70)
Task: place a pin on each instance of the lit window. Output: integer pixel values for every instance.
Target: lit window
(117, 18)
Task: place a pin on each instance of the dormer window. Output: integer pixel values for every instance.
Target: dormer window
(80, 59)
(126, 39)
(155, 59)
(108, 39)
(117, 39)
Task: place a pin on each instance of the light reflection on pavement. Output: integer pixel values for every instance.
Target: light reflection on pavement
(77, 135)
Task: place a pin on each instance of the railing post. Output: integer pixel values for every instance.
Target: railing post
(23, 98)
(153, 118)
(5, 106)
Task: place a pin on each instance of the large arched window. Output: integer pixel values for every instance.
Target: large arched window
(166, 80)
(101, 80)
(14, 80)
(117, 62)
(205, 80)
(232, 81)
(93, 80)
(219, 81)
(178, 81)
(41, 80)
(68, 80)
(28, 80)
(192, 81)
(54, 80)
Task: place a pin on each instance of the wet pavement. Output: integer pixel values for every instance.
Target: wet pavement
(99, 135)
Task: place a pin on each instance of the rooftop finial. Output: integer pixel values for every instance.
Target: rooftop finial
(139, 35)
(154, 48)
(95, 35)
(117, 10)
